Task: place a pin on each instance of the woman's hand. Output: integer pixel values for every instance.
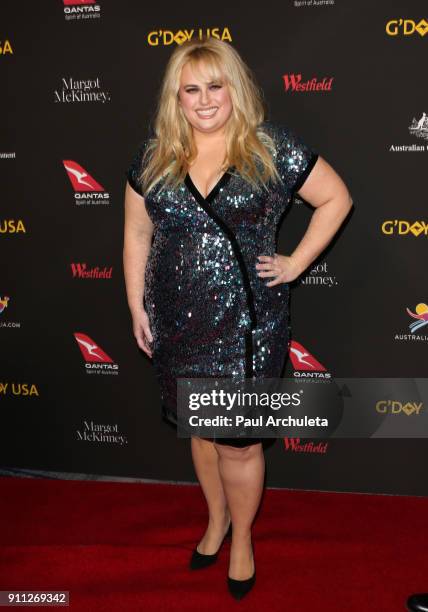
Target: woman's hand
(283, 267)
(142, 333)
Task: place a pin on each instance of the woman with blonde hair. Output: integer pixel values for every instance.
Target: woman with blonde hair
(208, 293)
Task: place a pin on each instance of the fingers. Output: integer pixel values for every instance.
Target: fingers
(266, 262)
(148, 334)
(270, 268)
(268, 273)
(144, 347)
(144, 344)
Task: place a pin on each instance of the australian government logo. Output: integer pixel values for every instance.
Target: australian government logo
(78, 10)
(418, 128)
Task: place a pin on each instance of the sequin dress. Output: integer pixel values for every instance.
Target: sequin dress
(210, 314)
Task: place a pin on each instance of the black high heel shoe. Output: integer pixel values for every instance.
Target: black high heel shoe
(239, 588)
(200, 561)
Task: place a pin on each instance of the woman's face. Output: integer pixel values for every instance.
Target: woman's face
(207, 106)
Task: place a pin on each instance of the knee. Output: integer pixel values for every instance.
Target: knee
(201, 443)
(238, 453)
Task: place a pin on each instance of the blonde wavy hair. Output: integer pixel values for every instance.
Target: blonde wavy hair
(172, 150)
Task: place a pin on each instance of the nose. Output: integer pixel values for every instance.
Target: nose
(204, 96)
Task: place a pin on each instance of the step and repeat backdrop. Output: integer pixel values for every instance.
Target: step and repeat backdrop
(79, 81)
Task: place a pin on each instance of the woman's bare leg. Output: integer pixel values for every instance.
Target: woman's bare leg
(242, 473)
(205, 461)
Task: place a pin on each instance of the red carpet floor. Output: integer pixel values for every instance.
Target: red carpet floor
(125, 546)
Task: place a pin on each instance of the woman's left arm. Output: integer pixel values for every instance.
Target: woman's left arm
(328, 194)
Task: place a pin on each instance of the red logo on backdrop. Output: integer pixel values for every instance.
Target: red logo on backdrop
(80, 270)
(90, 350)
(294, 82)
(296, 446)
(68, 2)
(80, 179)
(302, 359)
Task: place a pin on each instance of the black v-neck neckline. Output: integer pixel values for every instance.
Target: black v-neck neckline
(214, 191)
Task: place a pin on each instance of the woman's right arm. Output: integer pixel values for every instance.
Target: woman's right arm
(138, 232)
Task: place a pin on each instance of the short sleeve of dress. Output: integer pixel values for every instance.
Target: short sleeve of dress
(135, 168)
(295, 159)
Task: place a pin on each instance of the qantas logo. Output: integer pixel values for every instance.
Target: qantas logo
(77, 10)
(86, 189)
(90, 350)
(80, 179)
(96, 360)
(304, 363)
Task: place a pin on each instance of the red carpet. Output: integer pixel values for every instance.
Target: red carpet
(126, 546)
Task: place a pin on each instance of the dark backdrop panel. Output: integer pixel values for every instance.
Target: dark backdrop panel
(349, 312)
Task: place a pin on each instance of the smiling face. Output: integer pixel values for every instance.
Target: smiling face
(206, 104)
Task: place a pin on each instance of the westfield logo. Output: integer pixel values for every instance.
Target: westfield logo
(295, 82)
(80, 270)
(295, 445)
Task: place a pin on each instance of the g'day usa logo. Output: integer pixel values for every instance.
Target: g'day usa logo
(96, 360)
(75, 10)
(86, 189)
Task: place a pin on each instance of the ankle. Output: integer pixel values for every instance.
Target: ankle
(242, 537)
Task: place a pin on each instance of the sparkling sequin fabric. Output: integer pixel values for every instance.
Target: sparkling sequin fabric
(210, 314)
